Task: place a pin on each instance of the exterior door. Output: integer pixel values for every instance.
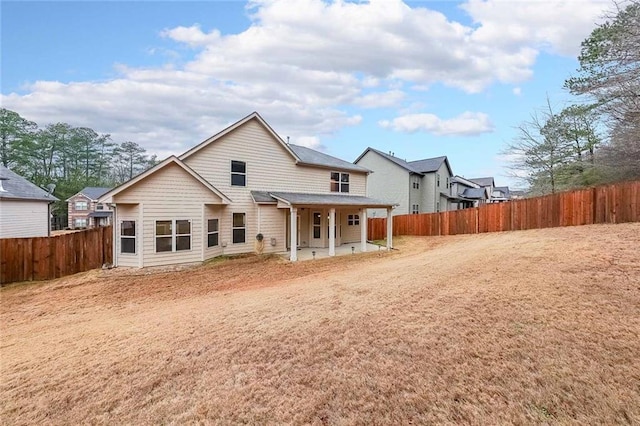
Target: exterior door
(316, 239)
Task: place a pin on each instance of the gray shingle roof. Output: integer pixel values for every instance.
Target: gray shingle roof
(316, 158)
(483, 181)
(404, 164)
(295, 198)
(428, 165)
(94, 192)
(17, 187)
(504, 190)
(475, 193)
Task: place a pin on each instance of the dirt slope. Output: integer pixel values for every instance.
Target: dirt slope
(511, 327)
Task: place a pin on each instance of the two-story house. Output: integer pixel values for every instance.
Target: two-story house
(241, 187)
(84, 210)
(497, 194)
(25, 209)
(421, 186)
(468, 193)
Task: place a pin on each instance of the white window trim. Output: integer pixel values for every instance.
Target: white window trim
(340, 183)
(135, 238)
(233, 227)
(213, 232)
(174, 234)
(86, 205)
(231, 173)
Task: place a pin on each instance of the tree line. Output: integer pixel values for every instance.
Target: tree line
(69, 157)
(597, 139)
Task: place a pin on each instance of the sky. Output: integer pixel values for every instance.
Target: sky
(419, 79)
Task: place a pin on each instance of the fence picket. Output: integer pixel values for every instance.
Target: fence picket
(603, 204)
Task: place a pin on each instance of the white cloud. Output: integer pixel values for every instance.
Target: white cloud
(303, 63)
(466, 124)
(517, 91)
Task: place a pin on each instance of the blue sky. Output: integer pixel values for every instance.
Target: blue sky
(420, 79)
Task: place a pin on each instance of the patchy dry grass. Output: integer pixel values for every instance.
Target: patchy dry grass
(525, 327)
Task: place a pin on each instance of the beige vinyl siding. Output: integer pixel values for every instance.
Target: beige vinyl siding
(24, 219)
(127, 212)
(269, 168)
(388, 182)
(350, 234)
(170, 194)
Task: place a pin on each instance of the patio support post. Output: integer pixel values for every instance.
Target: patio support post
(294, 234)
(389, 229)
(332, 232)
(363, 230)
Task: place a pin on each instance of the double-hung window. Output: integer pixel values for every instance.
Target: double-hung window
(128, 236)
(339, 182)
(212, 232)
(173, 235)
(239, 228)
(438, 179)
(415, 208)
(81, 205)
(80, 222)
(353, 220)
(238, 173)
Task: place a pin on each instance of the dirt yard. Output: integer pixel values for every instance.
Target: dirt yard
(523, 327)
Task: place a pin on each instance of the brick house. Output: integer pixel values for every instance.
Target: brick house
(84, 211)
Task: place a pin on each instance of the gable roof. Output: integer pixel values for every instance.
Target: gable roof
(170, 160)
(427, 165)
(18, 188)
(92, 192)
(301, 155)
(405, 165)
(465, 181)
(430, 165)
(253, 116)
(308, 156)
(484, 181)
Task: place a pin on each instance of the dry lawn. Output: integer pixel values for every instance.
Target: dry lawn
(523, 327)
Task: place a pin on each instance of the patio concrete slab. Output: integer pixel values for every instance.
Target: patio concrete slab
(308, 253)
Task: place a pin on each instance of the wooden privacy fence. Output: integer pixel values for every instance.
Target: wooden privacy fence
(616, 203)
(44, 258)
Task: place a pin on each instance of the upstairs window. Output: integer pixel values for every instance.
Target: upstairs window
(339, 182)
(437, 179)
(353, 220)
(81, 205)
(416, 184)
(99, 207)
(238, 173)
(128, 236)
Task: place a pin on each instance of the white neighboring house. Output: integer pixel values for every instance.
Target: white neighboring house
(25, 209)
(421, 186)
(241, 188)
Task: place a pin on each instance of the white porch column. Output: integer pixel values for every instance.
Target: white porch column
(389, 229)
(332, 232)
(294, 234)
(363, 230)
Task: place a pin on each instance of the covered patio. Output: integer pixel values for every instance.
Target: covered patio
(309, 253)
(323, 209)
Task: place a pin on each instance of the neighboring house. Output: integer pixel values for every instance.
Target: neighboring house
(497, 194)
(500, 194)
(25, 209)
(421, 186)
(468, 193)
(235, 188)
(84, 210)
